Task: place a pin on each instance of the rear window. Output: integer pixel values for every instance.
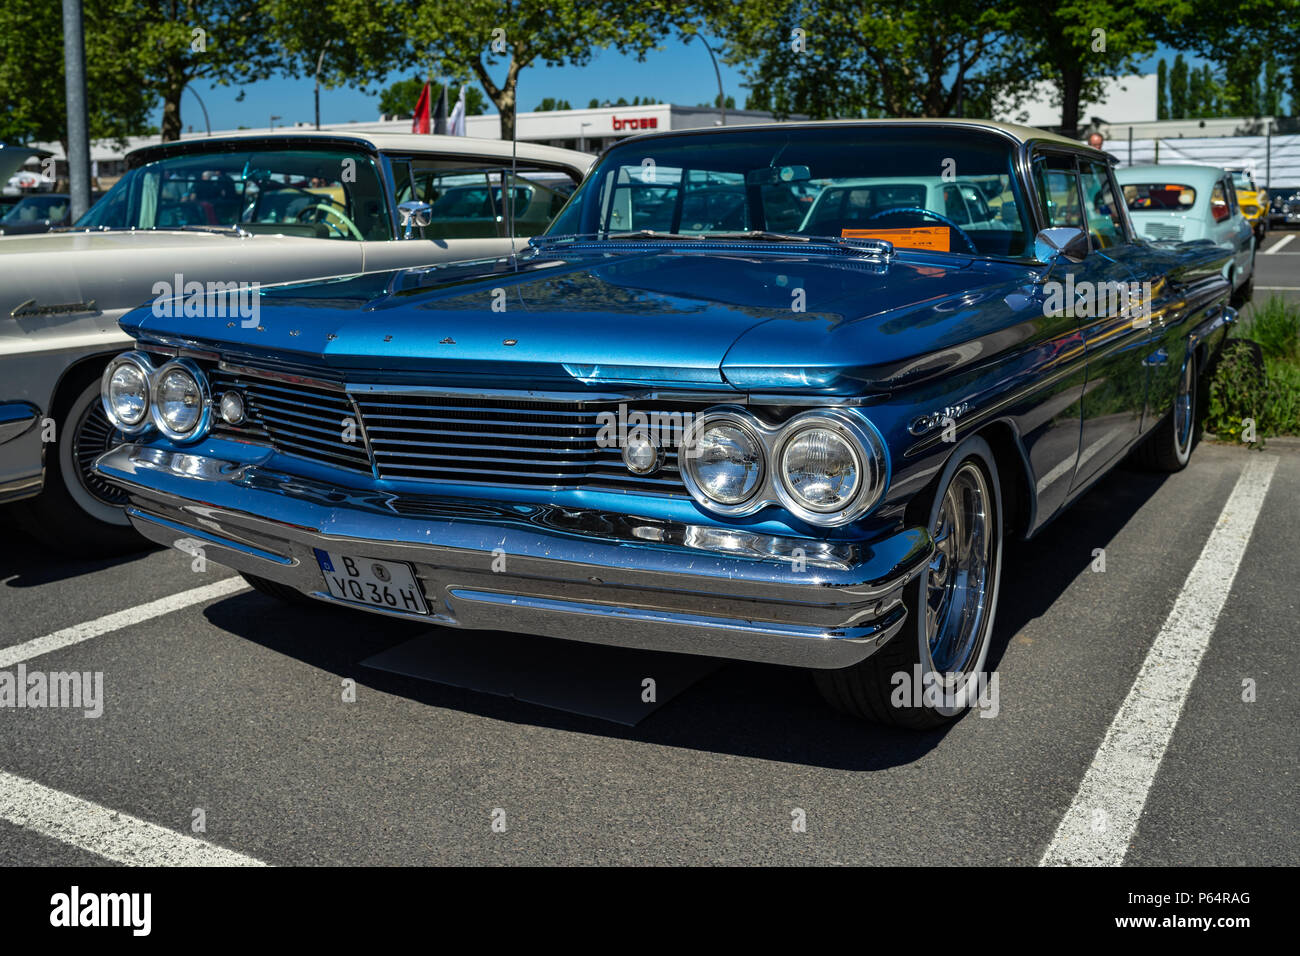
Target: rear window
(1159, 196)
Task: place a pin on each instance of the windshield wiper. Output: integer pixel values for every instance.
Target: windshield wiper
(764, 235)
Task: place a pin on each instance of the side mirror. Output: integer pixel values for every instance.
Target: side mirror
(1066, 242)
(414, 213)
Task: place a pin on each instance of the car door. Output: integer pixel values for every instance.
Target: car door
(1097, 291)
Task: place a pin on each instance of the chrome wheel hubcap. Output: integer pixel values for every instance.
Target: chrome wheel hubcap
(93, 436)
(958, 581)
(1183, 415)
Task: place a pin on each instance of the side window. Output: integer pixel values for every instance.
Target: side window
(953, 207)
(1219, 207)
(471, 201)
(1102, 209)
(1058, 191)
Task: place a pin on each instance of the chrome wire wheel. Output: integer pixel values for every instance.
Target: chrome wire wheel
(957, 586)
(92, 435)
(1184, 409)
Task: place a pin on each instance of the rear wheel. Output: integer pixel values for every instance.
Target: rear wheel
(1169, 446)
(79, 513)
(951, 604)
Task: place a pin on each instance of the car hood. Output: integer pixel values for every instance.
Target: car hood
(110, 272)
(751, 320)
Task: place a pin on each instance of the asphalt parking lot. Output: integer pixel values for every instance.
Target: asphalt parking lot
(1277, 267)
(230, 709)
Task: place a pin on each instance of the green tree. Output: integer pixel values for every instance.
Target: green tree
(1180, 105)
(494, 41)
(178, 42)
(1162, 89)
(32, 96)
(1078, 44)
(1271, 98)
(831, 58)
(550, 104)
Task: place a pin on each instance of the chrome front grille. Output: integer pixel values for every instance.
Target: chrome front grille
(441, 438)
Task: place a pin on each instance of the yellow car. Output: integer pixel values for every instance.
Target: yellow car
(1253, 201)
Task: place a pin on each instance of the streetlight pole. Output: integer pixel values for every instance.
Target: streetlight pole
(74, 89)
(722, 99)
(320, 61)
(206, 124)
(273, 119)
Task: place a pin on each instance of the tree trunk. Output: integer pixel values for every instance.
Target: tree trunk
(171, 118)
(505, 95)
(1071, 90)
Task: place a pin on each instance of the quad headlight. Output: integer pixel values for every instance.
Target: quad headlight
(173, 399)
(180, 402)
(124, 391)
(726, 463)
(825, 467)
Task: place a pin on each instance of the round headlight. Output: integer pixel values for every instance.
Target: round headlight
(641, 454)
(180, 400)
(831, 468)
(726, 462)
(821, 470)
(124, 391)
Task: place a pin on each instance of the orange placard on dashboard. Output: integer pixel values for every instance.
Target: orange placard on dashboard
(919, 237)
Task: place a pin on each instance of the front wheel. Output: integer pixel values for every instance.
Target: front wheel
(930, 672)
(79, 513)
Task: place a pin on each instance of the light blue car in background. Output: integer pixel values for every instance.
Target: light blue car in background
(1185, 203)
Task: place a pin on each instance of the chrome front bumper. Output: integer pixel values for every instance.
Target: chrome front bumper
(591, 576)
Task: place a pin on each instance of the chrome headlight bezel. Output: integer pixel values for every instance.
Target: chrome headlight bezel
(686, 462)
(144, 366)
(863, 439)
(870, 458)
(204, 422)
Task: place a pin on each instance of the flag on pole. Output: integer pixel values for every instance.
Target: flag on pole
(440, 114)
(420, 121)
(456, 125)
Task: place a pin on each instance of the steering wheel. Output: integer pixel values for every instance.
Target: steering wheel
(928, 212)
(329, 209)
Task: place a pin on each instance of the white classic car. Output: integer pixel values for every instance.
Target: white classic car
(1187, 203)
(237, 211)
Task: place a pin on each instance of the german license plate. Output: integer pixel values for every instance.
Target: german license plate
(386, 584)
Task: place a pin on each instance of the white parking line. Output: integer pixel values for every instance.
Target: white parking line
(25, 651)
(1278, 288)
(105, 832)
(1281, 243)
(1101, 821)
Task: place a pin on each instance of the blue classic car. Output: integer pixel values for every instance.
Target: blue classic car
(803, 445)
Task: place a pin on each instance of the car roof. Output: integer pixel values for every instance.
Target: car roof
(403, 143)
(1192, 175)
(1021, 134)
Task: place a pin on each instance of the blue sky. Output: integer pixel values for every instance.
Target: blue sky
(676, 73)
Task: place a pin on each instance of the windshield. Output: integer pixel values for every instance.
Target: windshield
(1241, 180)
(943, 189)
(38, 209)
(1165, 197)
(327, 194)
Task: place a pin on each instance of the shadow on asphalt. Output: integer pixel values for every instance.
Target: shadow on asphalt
(748, 710)
(1036, 573)
(26, 563)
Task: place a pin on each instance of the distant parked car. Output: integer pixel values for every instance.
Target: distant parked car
(1284, 206)
(1186, 203)
(39, 213)
(222, 211)
(1252, 199)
